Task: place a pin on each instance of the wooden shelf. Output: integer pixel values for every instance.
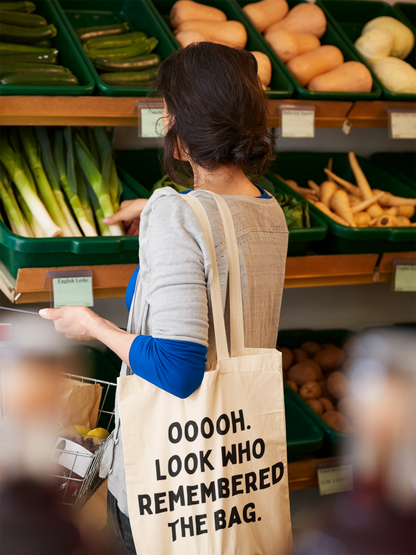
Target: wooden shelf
(111, 281)
(375, 114)
(386, 266)
(304, 474)
(328, 113)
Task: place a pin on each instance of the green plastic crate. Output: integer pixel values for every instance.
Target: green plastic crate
(331, 36)
(20, 252)
(333, 440)
(407, 13)
(146, 167)
(68, 57)
(80, 13)
(400, 164)
(349, 18)
(341, 239)
(280, 85)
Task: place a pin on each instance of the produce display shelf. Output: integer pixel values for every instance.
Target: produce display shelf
(385, 270)
(375, 114)
(304, 474)
(125, 111)
(111, 281)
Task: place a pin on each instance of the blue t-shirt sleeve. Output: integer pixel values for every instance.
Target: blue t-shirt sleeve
(131, 287)
(175, 366)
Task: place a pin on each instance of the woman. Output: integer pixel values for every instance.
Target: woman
(215, 119)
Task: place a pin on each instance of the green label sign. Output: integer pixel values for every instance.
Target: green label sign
(405, 278)
(72, 291)
(151, 123)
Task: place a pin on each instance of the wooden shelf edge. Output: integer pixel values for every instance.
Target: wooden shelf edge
(374, 114)
(304, 474)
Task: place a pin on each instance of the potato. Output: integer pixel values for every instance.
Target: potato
(348, 405)
(335, 420)
(337, 385)
(310, 390)
(326, 403)
(316, 406)
(325, 392)
(311, 347)
(329, 358)
(304, 372)
(300, 355)
(287, 358)
(292, 385)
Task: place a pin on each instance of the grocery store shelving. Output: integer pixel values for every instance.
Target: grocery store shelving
(304, 474)
(110, 281)
(124, 111)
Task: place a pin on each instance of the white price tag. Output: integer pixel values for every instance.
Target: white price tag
(151, 123)
(405, 278)
(335, 479)
(402, 125)
(297, 123)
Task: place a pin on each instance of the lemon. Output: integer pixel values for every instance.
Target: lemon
(82, 430)
(99, 432)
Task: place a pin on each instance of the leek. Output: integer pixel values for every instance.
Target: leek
(69, 183)
(104, 229)
(108, 166)
(14, 216)
(6, 182)
(13, 164)
(35, 227)
(95, 179)
(32, 151)
(83, 196)
(53, 177)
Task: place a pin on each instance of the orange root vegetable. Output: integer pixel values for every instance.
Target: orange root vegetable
(324, 208)
(406, 210)
(360, 177)
(401, 221)
(264, 67)
(314, 186)
(353, 189)
(392, 211)
(366, 203)
(328, 188)
(231, 33)
(354, 200)
(386, 221)
(330, 163)
(373, 221)
(362, 219)
(189, 37)
(340, 204)
(266, 12)
(391, 200)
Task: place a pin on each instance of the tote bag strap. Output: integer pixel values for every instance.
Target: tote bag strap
(236, 302)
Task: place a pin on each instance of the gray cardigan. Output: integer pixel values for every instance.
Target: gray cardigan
(170, 299)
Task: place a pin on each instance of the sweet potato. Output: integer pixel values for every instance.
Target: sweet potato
(329, 358)
(335, 420)
(310, 390)
(303, 372)
(337, 385)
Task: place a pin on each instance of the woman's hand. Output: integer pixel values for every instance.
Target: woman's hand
(129, 212)
(76, 322)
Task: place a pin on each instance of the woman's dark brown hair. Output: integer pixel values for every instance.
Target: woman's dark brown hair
(219, 109)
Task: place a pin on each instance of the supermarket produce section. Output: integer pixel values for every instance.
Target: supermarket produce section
(72, 70)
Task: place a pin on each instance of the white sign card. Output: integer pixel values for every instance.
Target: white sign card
(335, 479)
(402, 124)
(405, 277)
(297, 122)
(151, 124)
(71, 288)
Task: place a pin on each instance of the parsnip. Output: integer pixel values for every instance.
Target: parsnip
(401, 221)
(349, 186)
(329, 165)
(392, 211)
(314, 186)
(362, 219)
(354, 200)
(391, 200)
(324, 208)
(406, 210)
(366, 203)
(363, 184)
(386, 221)
(340, 204)
(328, 188)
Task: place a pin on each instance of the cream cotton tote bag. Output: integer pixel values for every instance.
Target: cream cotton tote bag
(207, 475)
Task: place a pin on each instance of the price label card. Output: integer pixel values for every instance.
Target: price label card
(335, 479)
(151, 123)
(297, 122)
(402, 124)
(405, 278)
(70, 288)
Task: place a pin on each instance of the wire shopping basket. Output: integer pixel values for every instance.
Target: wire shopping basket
(77, 477)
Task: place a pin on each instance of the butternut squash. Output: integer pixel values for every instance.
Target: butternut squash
(303, 18)
(287, 45)
(311, 64)
(262, 14)
(230, 33)
(348, 77)
(264, 67)
(187, 10)
(185, 38)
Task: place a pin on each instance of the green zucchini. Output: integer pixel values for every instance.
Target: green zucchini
(14, 33)
(22, 19)
(129, 78)
(27, 7)
(119, 41)
(138, 49)
(138, 63)
(41, 79)
(12, 48)
(29, 58)
(8, 69)
(86, 33)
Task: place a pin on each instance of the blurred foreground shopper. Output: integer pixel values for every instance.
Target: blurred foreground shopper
(379, 516)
